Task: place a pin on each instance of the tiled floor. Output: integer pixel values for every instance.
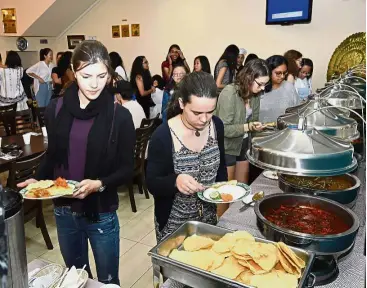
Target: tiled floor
(137, 238)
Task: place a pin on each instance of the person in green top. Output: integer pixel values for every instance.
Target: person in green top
(238, 107)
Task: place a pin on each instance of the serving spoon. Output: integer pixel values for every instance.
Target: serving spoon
(256, 197)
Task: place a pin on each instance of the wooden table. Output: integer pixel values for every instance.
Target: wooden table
(40, 263)
(36, 146)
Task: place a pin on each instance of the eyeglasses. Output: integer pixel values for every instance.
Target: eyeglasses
(261, 84)
(280, 73)
(178, 74)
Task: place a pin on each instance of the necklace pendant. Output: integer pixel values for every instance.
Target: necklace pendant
(197, 133)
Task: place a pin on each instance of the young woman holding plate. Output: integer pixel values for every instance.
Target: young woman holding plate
(91, 140)
(185, 155)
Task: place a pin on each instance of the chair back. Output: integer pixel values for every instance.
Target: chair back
(18, 122)
(142, 137)
(40, 113)
(155, 121)
(21, 171)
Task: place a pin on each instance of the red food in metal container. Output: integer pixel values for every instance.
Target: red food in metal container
(307, 219)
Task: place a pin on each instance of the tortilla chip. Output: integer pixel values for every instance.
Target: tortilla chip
(254, 267)
(229, 269)
(199, 259)
(296, 260)
(246, 276)
(240, 257)
(218, 260)
(288, 267)
(243, 235)
(274, 279)
(222, 246)
(57, 190)
(44, 184)
(195, 243)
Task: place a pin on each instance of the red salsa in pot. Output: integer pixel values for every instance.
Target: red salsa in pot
(307, 219)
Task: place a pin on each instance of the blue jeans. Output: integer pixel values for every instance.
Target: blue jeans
(73, 232)
(44, 94)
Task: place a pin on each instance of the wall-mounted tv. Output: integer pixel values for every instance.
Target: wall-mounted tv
(287, 12)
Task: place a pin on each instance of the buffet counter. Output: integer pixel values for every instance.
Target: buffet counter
(351, 267)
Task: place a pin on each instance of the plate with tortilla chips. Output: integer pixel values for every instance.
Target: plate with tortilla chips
(49, 189)
(225, 192)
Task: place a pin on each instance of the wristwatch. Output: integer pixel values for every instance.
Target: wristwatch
(102, 188)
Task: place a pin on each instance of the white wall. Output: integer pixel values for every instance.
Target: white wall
(9, 43)
(206, 27)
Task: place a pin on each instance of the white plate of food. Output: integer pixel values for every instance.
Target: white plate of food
(49, 189)
(225, 192)
(270, 175)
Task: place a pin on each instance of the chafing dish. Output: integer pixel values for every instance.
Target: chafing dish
(302, 152)
(198, 278)
(314, 103)
(347, 197)
(335, 245)
(327, 120)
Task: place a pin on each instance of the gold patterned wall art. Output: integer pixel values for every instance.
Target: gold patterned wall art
(125, 30)
(9, 20)
(116, 31)
(351, 52)
(135, 30)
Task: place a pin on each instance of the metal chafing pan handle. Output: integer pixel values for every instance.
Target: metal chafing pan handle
(311, 280)
(300, 242)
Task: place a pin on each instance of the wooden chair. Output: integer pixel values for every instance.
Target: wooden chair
(142, 137)
(3, 131)
(40, 113)
(18, 122)
(155, 121)
(19, 172)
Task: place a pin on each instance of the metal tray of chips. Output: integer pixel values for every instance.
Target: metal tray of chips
(198, 278)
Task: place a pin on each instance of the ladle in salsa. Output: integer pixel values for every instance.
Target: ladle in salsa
(307, 219)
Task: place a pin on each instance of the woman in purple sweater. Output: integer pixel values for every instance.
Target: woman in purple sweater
(91, 140)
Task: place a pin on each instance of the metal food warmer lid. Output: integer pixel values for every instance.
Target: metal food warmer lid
(344, 99)
(327, 120)
(315, 103)
(302, 152)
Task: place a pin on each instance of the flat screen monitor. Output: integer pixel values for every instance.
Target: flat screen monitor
(286, 12)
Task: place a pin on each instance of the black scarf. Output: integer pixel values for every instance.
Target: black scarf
(102, 110)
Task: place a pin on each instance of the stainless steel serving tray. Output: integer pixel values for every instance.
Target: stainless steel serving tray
(197, 278)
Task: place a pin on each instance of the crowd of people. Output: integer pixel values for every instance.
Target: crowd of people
(208, 121)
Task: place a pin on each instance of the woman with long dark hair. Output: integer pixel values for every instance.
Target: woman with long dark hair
(238, 107)
(225, 68)
(41, 72)
(90, 140)
(141, 82)
(280, 94)
(118, 65)
(174, 57)
(11, 87)
(201, 63)
(185, 155)
(294, 59)
(303, 82)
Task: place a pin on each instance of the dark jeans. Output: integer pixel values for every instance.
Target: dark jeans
(74, 230)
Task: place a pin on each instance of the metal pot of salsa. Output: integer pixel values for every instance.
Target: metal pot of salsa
(317, 224)
(342, 188)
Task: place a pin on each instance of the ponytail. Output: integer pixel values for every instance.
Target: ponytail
(173, 107)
